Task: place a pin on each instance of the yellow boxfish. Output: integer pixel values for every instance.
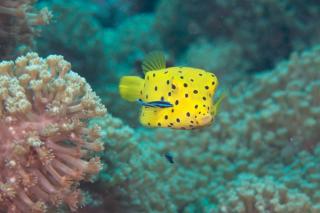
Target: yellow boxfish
(173, 97)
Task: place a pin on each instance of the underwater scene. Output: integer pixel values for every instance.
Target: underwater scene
(160, 106)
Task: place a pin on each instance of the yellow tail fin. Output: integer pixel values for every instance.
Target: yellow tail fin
(130, 87)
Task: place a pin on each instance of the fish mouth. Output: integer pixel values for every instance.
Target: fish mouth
(206, 120)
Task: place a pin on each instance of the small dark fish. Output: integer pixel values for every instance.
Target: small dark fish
(169, 157)
(160, 104)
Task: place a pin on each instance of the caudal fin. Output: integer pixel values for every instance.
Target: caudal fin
(130, 87)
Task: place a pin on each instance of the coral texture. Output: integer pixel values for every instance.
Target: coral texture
(46, 145)
(250, 194)
(18, 21)
(118, 48)
(267, 31)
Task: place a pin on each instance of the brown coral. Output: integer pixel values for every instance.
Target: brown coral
(17, 24)
(45, 142)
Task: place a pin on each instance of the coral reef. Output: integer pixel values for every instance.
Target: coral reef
(219, 57)
(266, 31)
(19, 21)
(46, 144)
(79, 39)
(214, 167)
(262, 152)
(250, 194)
(113, 46)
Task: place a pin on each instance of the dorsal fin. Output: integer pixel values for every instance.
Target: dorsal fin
(154, 61)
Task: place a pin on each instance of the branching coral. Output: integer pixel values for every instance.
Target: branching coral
(45, 142)
(279, 108)
(249, 194)
(18, 21)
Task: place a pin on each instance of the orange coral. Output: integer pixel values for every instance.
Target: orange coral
(45, 142)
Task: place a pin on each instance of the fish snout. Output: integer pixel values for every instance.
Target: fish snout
(206, 120)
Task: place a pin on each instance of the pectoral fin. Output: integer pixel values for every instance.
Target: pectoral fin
(216, 106)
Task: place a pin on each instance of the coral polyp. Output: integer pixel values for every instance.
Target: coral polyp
(46, 147)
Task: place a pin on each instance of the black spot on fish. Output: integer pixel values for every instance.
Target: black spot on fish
(149, 124)
(168, 82)
(147, 96)
(172, 110)
(191, 121)
(169, 93)
(180, 71)
(165, 72)
(195, 91)
(204, 98)
(185, 85)
(141, 92)
(191, 80)
(173, 86)
(206, 87)
(204, 105)
(154, 75)
(155, 88)
(159, 124)
(186, 95)
(199, 113)
(171, 124)
(213, 82)
(181, 77)
(177, 102)
(200, 74)
(196, 106)
(178, 120)
(169, 157)
(162, 98)
(188, 114)
(213, 75)
(166, 117)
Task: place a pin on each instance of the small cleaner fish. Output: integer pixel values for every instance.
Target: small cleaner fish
(173, 97)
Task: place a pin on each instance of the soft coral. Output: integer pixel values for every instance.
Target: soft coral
(45, 143)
